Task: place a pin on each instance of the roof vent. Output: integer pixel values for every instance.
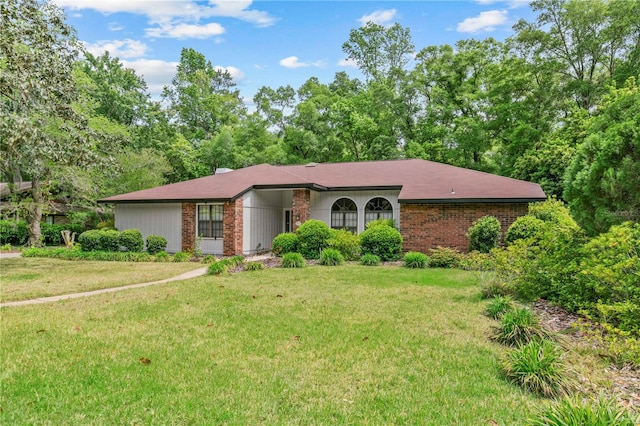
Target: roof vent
(222, 170)
(311, 165)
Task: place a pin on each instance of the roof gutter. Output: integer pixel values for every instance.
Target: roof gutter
(469, 200)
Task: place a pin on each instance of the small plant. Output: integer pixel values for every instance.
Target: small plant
(293, 260)
(131, 239)
(383, 241)
(577, 412)
(254, 266)
(162, 256)
(370, 260)
(491, 285)
(498, 306)
(415, 259)
(331, 257)
(445, 257)
(285, 243)
(6, 247)
(538, 367)
(208, 259)
(181, 257)
(518, 327)
(346, 243)
(156, 243)
(313, 236)
(217, 268)
(484, 234)
(234, 261)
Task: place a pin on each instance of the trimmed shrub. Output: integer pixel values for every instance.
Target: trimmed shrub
(109, 240)
(89, 240)
(284, 243)
(381, 222)
(383, 241)
(484, 234)
(538, 367)
(181, 257)
(254, 266)
(498, 306)
(293, 260)
(131, 239)
(14, 233)
(331, 257)
(518, 327)
(162, 256)
(156, 243)
(208, 259)
(415, 259)
(578, 412)
(445, 257)
(346, 243)
(313, 236)
(51, 234)
(370, 260)
(217, 268)
(525, 227)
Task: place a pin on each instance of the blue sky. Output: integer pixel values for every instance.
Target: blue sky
(271, 43)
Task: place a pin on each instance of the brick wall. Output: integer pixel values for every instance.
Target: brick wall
(301, 206)
(232, 236)
(188, 226)
(425, 226)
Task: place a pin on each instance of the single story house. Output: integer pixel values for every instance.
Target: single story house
(241, 211)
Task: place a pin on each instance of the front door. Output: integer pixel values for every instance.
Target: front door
(288, 220)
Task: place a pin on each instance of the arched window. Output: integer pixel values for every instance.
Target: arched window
(344, 215)
(377, 208)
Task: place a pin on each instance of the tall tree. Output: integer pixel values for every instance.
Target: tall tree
(42, 133)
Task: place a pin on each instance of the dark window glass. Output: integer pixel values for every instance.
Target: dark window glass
(377, 208)
(344, 215)
(210, 221)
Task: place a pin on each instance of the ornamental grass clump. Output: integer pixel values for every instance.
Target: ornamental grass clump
(293, 260)
(538, 367)
(370, 260)
(578, 412)
(518, 327)
(254, 266)
(415, 259)
(162, 256)
(181, 257)
(498, 306)
(331, 257)
(217, 268)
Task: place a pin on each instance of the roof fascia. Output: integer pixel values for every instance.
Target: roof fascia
(470, 200)
(166, 201)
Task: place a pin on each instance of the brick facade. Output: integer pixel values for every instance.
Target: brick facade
(232, 235)
(301, 206)
(426, 226)
(188, 226)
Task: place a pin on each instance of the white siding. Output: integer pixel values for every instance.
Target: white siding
(321, 203)
(262, 218)
(153, 219)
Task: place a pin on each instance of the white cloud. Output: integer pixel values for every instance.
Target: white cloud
(118, 48)
(380, 17)
(485, 2)
(162, 11)
(115, 26)
(294, 62)
(155, 72)
(486, 21)
(184, 31)
(236, 74)
(346, 62)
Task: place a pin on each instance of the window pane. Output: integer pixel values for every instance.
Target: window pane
(210, 221)
(378, 208)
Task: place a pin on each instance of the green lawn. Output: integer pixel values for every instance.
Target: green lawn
(30, 278)
(320, 345)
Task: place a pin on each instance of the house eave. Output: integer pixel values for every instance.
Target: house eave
(470, 200)
(167, 201)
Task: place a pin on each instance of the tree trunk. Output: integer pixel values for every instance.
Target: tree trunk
(34, 216)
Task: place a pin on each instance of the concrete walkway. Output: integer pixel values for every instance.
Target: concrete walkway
(191, 274)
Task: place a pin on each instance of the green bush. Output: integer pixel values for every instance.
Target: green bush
(254, 266)
(346, 243)
(498, 306)
(484, 234)
(331, 257)
(109, 240)
(524, 228)
(181, 257)
(285, 243)
(234, 261)
(579, 412)
(78, 255)
(518, 327)
(492, 286)
(131, 239)
(313, 236)
(208, 259)
(383, 241)
(14, 233)
(415, 259)
(445, 257)
(90, 240)
(538, 367)
(156, 243)
(51, 234)
(217, 268)
(381, 222)
(162, 256)
(370, 260)
(293, 260)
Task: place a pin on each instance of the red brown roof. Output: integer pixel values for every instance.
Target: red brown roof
(418, 181)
